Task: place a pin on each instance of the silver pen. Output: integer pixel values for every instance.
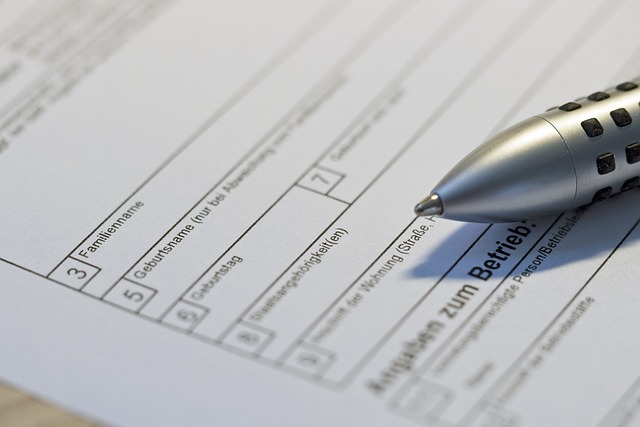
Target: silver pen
(572, 155)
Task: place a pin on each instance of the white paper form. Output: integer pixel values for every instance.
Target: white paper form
(206, 215)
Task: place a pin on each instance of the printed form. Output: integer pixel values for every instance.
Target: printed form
(206, 215)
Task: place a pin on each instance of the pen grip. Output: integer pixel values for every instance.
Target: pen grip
(602, 133)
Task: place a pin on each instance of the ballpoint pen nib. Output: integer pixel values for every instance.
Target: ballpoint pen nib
(429, 206)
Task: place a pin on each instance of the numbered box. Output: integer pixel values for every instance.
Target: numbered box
(423, 400)
(185, 315)
(320, 180)
(249, 337)
(130, 295)
(74, 273)
(310, 360)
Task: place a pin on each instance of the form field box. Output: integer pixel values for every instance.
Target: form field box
(320, 180)
(130, 295)
(185, 315)
(249, 338)
(423, 400)
(74, 273)
(310, 360)
(496, 416)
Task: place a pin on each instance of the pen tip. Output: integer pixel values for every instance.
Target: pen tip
(431, 205)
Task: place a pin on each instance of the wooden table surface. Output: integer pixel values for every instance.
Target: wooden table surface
(20, 410)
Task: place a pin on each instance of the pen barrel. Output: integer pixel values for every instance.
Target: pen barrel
(602, 134)
(572, 155)
(524, 171)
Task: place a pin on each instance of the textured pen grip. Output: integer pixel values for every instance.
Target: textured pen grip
(602, 133)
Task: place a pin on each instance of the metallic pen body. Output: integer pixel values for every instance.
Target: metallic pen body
(567, 157)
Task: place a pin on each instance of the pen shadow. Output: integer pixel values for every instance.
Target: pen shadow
(597, 233)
